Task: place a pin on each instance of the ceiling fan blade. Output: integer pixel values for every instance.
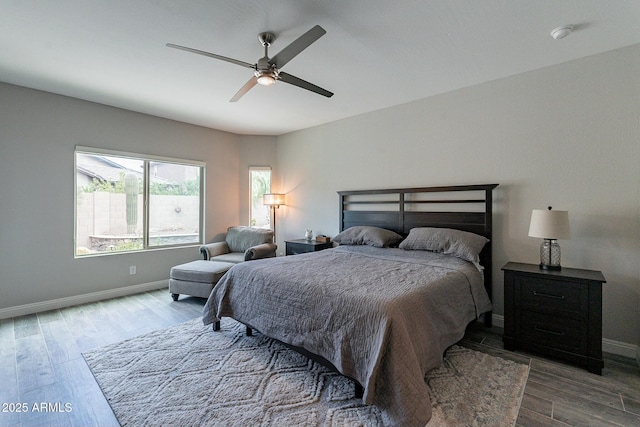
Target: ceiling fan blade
(297, 46)
(293, 80)
(244, 89)
(211, 55)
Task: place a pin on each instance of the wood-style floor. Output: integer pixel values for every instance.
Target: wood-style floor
(558, 394)
(43, 373)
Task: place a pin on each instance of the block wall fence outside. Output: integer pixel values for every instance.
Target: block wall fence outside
(101, 214)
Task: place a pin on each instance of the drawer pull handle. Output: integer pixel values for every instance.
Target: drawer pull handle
(547, 331)
(540, 294)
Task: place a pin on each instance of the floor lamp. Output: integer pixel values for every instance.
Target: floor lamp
(273, 200)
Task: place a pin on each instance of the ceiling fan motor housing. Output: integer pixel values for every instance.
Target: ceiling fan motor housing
(266, 72)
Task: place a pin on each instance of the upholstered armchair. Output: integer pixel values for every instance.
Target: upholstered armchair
(241, 244)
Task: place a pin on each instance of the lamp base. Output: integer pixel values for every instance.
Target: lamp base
(550, 255)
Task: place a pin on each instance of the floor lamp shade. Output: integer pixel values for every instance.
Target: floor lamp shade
(273, 200)
(549, 225)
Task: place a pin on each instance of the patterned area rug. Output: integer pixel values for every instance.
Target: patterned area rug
(188, 375)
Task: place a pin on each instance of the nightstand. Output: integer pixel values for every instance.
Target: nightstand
(554, 313)
(302, 246)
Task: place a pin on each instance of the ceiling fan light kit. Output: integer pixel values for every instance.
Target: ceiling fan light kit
(265, 79)
(267, 70)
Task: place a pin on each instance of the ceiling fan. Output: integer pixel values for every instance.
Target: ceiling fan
(267, 70)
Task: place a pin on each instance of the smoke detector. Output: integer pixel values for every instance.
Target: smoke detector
(561, 32)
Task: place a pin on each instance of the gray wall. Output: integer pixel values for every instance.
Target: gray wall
(566, 136)
(38, 134)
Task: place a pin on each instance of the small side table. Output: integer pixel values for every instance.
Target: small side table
(555, 313)
(302, 246)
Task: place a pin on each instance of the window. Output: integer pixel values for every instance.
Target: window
(260, 179)
(129, 202)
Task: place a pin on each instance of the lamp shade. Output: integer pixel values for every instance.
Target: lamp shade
(549, 224)
(273, 199)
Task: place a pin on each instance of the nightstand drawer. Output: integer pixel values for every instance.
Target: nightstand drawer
(297, 248)
(551, 296)
(303, 246)
(551, 331)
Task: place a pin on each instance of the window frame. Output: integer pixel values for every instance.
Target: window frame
(146, 159)
(257, 169)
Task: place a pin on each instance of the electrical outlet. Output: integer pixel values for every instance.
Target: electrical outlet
(132, 269)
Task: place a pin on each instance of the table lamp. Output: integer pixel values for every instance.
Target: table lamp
(549, 225)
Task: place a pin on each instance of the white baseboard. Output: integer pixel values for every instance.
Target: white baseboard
(498, 320)
(37, 307)
(620, 348)
(608, 346)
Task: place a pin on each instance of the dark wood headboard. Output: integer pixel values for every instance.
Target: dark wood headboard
(462, 207)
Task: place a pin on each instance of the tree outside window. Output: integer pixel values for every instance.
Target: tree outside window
(260, 179)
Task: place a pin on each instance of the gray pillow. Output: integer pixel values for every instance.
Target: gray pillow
(367, 235)
(241, 238)
(458, 243)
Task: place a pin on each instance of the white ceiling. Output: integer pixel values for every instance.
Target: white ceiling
(376, 53)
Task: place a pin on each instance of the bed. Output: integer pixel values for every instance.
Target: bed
(380, 308)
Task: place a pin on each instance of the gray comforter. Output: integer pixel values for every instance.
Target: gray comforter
(381, 316)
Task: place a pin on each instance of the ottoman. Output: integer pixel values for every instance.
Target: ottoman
(196, 278)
